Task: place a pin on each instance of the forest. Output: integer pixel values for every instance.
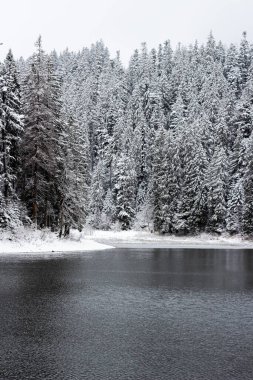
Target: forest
(165, 144)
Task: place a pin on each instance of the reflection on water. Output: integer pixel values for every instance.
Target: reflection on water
(128, 314)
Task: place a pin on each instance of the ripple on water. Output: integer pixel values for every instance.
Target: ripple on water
(157, 314)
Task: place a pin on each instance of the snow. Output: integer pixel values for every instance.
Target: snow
(29, 241)
(145, 239)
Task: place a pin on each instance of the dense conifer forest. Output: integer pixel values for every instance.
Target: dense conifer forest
(164, 144)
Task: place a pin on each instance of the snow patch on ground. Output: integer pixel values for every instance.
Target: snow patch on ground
(145, 239)
(30, 241)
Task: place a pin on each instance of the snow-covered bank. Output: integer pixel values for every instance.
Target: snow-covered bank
(30, 241)
(138, 239)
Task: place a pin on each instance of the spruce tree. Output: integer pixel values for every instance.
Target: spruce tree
(125, 191)
(217, 182)
(191, 207)
(247, 205)
(11, 126)
(74, 181)
(41, 150)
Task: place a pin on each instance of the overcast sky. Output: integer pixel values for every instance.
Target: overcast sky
(122, 24)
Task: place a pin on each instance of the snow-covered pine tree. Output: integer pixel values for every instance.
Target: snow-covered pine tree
(74, 181)
(124, 191)
(161, 216)
(217, 182)
(177, 115)
(11, 126)
(234, 207)
(191, 206)
(165, 181)
(41, 150)
(124, 180)
(247, 185)
(236, 169)
(108, 212)
(231, 69)
(244, 60)
(97, 195)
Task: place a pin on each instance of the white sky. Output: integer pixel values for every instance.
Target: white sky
(122, 24)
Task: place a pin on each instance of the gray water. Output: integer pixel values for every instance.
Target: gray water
(128, 314)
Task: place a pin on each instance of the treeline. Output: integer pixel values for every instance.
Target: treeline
(166, 143)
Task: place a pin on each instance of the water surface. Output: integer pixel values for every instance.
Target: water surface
(128, 314)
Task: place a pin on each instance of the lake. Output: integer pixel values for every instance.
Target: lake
(127, 314)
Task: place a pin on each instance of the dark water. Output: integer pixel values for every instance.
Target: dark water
(128, 314)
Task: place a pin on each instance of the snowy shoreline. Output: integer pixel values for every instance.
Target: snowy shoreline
(143, 239)
(34, 242)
